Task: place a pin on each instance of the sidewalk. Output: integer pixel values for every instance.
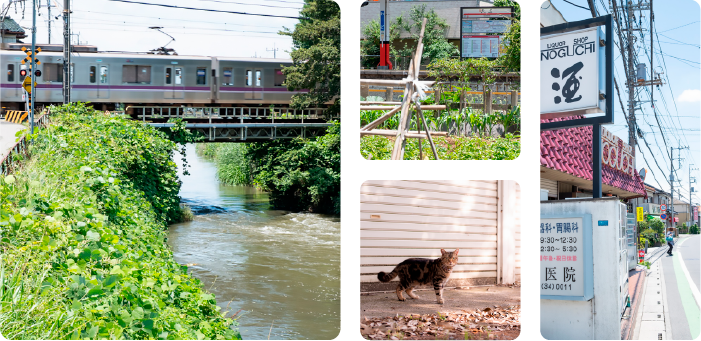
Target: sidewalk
(636, 284)
(7, 136)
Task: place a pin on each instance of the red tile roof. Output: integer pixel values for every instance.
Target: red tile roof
(570, 151)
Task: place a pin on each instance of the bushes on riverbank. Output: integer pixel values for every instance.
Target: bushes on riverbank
(300, 174)
(83, 242)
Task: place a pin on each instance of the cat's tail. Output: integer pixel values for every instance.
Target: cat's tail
(386, 277)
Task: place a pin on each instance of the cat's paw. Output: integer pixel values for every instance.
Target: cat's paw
(402, 299)
(440, 301)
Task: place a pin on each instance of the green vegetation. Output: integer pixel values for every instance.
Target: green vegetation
(649, 229)
(694, 229)
(436, 46)
(300, 174)
(448, 148)
(83, 242)
(316, 56)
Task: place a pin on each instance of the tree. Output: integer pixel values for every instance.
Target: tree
(436, 46)
(316, 56)
(511, 59)
(370, 46)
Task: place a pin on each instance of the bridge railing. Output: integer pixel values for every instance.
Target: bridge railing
(145, 113)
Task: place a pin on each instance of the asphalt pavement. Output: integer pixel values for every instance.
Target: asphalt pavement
(7, 135)
(682, 307)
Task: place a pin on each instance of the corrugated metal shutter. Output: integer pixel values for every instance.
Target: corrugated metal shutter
(550, 185)
(518, 232)
(403, 219)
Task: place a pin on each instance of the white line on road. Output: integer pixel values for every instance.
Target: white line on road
(694, 289)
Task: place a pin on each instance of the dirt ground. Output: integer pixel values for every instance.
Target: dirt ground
(456, 301)
(491, 312)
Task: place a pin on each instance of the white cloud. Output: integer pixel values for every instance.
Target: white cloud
(691, 95)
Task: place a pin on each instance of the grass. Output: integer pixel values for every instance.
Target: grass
(448, 148)
(83, 252)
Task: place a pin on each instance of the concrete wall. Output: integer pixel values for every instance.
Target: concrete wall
(448, 10)
(404, 219)
(598, 318)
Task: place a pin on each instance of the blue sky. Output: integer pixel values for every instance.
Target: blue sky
(680, 115)
(115, 26)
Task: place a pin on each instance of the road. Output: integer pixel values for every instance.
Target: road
(682, 306)
(7, 135)
(674, 312)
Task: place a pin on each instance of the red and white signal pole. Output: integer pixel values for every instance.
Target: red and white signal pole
(384, 36)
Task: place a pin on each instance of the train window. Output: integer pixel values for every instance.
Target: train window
(103, 74)
(257, 77)
(53, 72)
(178, 76)
(10, 72)
(249, 77)
(136, 74)
(228, 76)
(93, 74)
(279, 77)
(143, 74)
(201, 76)
(169, 75)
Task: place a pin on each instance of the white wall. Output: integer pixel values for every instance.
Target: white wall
(404, 219)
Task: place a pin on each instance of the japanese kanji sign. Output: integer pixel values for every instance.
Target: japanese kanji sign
(639, 213)
(570, 65)
(482, 29)
(566, 269)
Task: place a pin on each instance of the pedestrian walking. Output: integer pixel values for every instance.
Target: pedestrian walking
(670, 242)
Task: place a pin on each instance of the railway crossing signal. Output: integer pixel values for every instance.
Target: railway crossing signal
(29, 57)
(27, 84)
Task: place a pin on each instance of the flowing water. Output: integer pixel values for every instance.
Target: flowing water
(280, 269)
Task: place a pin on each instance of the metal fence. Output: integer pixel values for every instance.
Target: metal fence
(19, 150)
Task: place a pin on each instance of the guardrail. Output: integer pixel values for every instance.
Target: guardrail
(154, 112)
(7, 161)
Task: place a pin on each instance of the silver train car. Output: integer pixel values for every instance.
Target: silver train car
(110, 80)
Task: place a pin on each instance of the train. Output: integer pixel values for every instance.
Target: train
(112, 80)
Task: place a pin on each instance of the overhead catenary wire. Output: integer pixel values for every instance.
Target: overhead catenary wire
(207, 9)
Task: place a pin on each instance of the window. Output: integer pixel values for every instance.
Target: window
(249, 77)
(201, 76)
(10, 72)
(228, 76)
(53, 72)
(103, 74)
(93, 74)
(257, 77)
(178, 76)
(169, 76)
(279, 77)
(136, 74)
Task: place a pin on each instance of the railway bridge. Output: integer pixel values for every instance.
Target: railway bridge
(238, 124)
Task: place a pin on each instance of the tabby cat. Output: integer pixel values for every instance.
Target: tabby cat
(422, 271)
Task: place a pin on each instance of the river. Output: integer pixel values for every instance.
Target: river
(281, 269)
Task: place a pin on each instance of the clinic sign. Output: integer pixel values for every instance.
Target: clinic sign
(566, 258)
(572, 68)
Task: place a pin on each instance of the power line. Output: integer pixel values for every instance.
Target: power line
(245, 4)
(573, 4)
(206, 9)
(169, 19)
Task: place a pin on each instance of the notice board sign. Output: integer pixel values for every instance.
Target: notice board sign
(482, 30)
(566, 258)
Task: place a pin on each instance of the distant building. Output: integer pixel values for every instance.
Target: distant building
(11, 31)
(448, 10)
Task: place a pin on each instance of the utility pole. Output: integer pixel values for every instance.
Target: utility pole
(66, 51)
(48, 8)
(274, 51)
(671, 181)
(630, 77)
(691, 194)
(34, 66)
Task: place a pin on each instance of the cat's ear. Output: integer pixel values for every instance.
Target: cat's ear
(443, 252)
(455, 253)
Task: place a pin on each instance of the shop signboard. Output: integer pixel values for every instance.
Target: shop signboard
(566, 258)
(480, 46)
(639, 213)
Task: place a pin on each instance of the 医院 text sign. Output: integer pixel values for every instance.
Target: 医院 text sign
(570, 66)
(563, 260)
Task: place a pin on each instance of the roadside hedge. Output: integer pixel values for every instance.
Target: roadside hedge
(83, 252)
